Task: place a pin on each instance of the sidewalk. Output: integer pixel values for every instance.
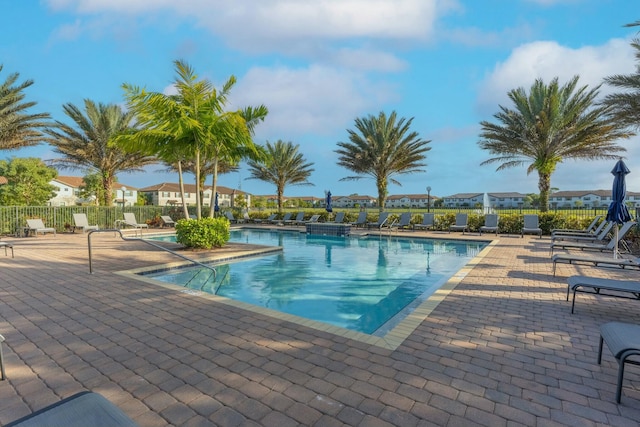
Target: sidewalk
(502, 349)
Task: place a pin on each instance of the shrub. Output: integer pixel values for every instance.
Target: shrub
(205, 233)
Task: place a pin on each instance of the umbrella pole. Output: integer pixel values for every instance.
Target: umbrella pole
(615, 247)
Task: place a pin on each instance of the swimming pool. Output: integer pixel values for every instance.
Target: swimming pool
(364, 284)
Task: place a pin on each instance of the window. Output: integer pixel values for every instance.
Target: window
(166, 194)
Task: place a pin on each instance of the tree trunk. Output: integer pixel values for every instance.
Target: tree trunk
(544, 185)
(185, 211)
(382, 194)
(214, 188)
(198, 201)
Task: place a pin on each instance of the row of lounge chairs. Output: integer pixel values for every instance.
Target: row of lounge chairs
(622, 339)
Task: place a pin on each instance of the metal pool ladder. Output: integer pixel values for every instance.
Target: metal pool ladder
(139, 239)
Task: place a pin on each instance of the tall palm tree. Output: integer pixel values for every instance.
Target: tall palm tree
(381, 148)
(283, 166)
(548, 125)
(193, 122)
(17, 127)
(626, 104)
(89, 144)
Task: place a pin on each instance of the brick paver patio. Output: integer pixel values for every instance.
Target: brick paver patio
(502, 349)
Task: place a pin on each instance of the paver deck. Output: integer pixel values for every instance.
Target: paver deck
(502, 349)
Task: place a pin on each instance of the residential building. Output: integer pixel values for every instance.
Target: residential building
(496, 200)
(168, 194)
(67, 193)
(588, 199)
(354, 200)
(410, 201)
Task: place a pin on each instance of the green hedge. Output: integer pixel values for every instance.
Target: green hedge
(205, 233)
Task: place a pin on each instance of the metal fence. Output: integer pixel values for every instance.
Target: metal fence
(13, 218)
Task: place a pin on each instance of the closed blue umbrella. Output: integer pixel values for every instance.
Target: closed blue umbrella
(328, 206)
(618, 211)
(216, 207)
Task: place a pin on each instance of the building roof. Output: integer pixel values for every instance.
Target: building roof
(71, 181)
(188, 188)
(3, 180)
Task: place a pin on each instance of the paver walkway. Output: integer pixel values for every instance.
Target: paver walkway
(501, 350)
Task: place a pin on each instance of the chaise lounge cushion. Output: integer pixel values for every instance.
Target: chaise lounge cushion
(81, 409)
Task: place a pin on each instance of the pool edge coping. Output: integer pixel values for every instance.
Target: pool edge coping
(390, 341)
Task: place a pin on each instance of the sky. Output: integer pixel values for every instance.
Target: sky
(318, 65)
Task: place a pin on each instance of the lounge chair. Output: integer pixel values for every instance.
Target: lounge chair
(339, 218)
(382, 220)
(37, 226)
(594, 232)
(230, 217)
(596, 285)
(80, 221)
(2, 374)
(166, 220)
(313, 219)
(602, 247)
(428, 222)
(6, 245)
(82, 409)
(461, 223)
(602, 236)
(589, 230)
(361, 221)
(531, 226)
(490, 224)
(245, 218)
(299, 218)
(605, 261)
(286, 217)
(403, 222)
(270, 219)
(623, 339)
(131, 221)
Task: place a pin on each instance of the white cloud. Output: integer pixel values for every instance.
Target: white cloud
(315, 100)
(548, 59)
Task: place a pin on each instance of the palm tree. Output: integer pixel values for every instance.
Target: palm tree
(547, 126)
(18, 128)
(381, 148)
(626, 104)
(193, 122)
(89, 145)
(283, 166)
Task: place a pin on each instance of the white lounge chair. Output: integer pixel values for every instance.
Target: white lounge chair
(531, 226)
(428, 222)
(166, 220)
(6, 245)
(37, 226)
(130, 220)
(80, 221)
(490, 224)
(461, 223)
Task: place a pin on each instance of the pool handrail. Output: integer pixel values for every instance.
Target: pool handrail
(140, 239)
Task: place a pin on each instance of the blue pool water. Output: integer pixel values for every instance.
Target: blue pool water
(358, 283)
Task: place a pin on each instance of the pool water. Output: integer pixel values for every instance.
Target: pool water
(366, 284)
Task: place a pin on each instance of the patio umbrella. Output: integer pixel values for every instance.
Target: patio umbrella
(328, 206)
(618, 211)
(216, 207)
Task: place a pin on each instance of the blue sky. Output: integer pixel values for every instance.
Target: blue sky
(318, 65)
